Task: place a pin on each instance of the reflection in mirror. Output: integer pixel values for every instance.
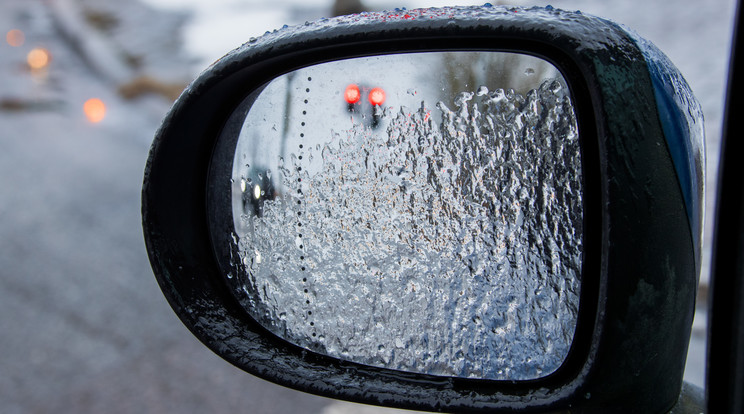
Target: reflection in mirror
(418, 212)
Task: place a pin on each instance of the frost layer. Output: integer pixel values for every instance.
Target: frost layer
(450, 249)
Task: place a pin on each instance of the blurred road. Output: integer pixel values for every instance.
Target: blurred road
(84, 325)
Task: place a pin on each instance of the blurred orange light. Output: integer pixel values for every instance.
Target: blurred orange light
(15, 37)
(95, 110)
(38, 58)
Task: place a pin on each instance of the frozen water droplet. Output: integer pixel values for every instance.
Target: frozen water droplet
(497, 96)
(529, 71)
(482, 90)
(462, 98)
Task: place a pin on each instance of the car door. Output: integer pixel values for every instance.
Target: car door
(725, 380)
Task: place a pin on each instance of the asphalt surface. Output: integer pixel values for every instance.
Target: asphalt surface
(84, 326)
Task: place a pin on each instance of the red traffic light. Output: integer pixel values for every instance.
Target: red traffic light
(352, 94)
(377, 96)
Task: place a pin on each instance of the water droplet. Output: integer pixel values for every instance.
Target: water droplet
(529, 71)
(462, 98)
(482, 90)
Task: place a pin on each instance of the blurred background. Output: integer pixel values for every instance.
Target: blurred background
(83, 87)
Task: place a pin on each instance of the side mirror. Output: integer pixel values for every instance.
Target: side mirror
(452, 209)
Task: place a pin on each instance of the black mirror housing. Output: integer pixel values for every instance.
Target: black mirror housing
(641, 141)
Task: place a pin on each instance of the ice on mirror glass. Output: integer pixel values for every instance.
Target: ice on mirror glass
(418, 212)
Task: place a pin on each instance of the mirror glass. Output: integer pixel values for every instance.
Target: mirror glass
(420, 212)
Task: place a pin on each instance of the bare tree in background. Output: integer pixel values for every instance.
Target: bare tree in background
(465, 72)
